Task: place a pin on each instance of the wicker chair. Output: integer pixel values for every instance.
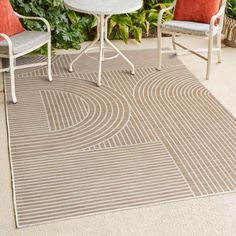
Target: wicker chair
(21, 44)
(192, 29)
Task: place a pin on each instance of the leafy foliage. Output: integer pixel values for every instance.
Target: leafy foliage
(231, 9)
(138, 23)
(70, 29)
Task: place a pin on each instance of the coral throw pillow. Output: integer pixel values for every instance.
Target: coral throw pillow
(9, 22)
(197, 10)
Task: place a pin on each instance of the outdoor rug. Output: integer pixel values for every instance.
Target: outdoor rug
(148, 138)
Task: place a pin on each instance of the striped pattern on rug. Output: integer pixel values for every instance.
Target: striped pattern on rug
(63, 109)
(84, 183)
(154, 137)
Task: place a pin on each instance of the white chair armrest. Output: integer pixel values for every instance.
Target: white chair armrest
(9, 42)
(35, 18)
(160, 15)
(220, 14)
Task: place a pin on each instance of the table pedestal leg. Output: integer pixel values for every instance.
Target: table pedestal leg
(104, 38)
(101, 49)
(102, 29)
(86, 48)
(117, 50)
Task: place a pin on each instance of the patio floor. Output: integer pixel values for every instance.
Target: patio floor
(203, 216)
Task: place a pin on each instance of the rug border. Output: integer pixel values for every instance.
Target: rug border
(108, 211)
(9, 152)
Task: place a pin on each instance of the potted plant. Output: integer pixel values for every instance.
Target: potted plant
(230, 24)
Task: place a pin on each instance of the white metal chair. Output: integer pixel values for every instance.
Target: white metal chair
(21, 44)
(192, 29)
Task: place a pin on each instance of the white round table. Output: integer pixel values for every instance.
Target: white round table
(103, 10)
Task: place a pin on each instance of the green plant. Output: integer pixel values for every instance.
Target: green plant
(231, 9)
(68, 28)
(139, 23)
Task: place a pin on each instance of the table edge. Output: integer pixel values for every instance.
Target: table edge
(103, 13)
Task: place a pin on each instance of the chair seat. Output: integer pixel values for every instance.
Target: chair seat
(25, 41)
(188, 27)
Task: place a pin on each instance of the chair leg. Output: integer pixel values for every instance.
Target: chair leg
(209, 61)
(219, 47)
(159, 55)
(12, 77)
(49, 61)
(173, 42)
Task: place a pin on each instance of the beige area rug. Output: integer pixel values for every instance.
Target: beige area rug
(76, 149)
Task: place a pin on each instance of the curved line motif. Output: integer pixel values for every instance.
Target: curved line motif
(108, 114)
(177, 101)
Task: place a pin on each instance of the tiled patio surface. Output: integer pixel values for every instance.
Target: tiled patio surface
(203, 216)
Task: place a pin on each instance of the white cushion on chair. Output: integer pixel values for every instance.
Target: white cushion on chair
(187, 27)
(25, 41)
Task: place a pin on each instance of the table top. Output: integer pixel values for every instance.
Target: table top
(104, 7)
